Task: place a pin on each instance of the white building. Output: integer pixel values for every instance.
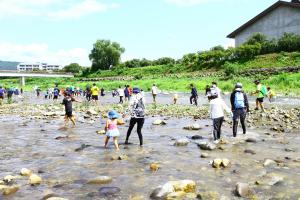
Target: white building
(282, 17)
(38, 66)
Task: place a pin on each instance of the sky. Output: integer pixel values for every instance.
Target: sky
(64, 31)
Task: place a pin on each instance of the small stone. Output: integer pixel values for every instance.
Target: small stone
(101, 132)
(217, 163)
(137, 197)
(100, 180)
(210, 195)
(109, 191)
(10, 190)
(251, 140)
(91, 112)
(56, 198)
(9, 179)
(207, 146)
(196, 137)
(269, 162)
(154, 167)
(242, 189)
(25, 172)
(225, 162)
(159, 122)
(204, 155)
(182, 142)
(223, 141)
(35, 179)
(221, 148)
(249, 151)
(196, 127)
(186, 186)
(119, 157)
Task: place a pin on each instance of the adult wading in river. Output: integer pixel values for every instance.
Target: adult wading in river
(239, 107)
(194, 97)
(217, 107)
(137, 111)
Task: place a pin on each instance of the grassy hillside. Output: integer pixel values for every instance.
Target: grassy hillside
(263, 61)
(178, 78)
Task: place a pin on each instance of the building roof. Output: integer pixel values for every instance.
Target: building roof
(261, 15)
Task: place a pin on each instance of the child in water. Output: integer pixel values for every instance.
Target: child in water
(175, 98)
(67, 102)
(271, 94)
(111, 128)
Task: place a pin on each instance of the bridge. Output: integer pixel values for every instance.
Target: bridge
(23, 75)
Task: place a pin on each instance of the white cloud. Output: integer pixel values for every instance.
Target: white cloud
(81, 9)
(185, 2)
(38, 52)
(52, 9)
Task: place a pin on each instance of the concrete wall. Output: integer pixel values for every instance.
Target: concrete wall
(274, 25)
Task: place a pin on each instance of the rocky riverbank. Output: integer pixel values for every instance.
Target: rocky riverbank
(40, 160)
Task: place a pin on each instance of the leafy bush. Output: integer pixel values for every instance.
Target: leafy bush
(231, 68)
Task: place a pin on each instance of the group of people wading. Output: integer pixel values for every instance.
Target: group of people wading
(136, 106)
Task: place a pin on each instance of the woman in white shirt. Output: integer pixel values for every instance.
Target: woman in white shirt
(217, 107)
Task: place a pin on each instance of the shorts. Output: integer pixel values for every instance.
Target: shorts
(261, 100)
(69, 114)
(95, 97)
(55, 97)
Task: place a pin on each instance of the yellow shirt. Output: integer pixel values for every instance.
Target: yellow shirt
(95, 91)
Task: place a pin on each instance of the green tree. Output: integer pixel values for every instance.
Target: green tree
(105, 54)
(134, 63)
(289, 42)
(164, 61)
(257, 38)
(73, 68)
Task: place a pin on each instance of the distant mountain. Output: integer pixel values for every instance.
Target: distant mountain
(8, 65)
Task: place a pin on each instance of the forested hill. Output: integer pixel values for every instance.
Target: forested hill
(8, 65)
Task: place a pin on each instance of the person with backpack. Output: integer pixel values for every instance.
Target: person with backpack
(240, 107)
(261, 92)
(137, 112)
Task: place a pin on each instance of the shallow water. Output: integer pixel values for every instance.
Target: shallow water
(32, 144)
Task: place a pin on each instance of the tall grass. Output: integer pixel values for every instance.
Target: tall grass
(287, 84)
